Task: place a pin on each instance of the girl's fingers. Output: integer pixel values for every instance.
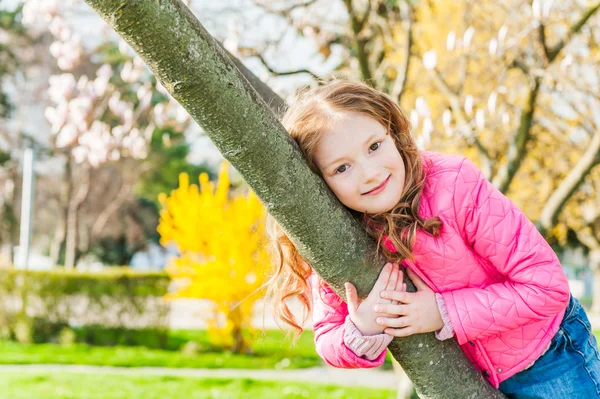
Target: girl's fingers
(399, 283)
(399, 332)
(397, 322)
(351, 297)
(384, 277)
(393, 281)
(396, 310)
(400, 296)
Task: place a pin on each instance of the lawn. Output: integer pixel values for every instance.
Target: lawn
(272, 350)
(87, 386)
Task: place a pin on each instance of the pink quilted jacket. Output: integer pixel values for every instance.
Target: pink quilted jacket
(504, 287)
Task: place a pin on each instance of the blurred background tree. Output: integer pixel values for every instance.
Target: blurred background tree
(513, 86)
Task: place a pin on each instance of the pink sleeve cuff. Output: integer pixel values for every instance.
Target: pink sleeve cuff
(369, 346)
(447, 331)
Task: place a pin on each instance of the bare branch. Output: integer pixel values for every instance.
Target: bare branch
(285, 12)
(282, 73)
(570, 184)
(517, 148)
(360, 42)
(542, 40)
(363, 21)
(400, 82)
(554, 51)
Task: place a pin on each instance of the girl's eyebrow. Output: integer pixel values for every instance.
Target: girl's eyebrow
(341, 158)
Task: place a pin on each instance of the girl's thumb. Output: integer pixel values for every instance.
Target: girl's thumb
(351, 296)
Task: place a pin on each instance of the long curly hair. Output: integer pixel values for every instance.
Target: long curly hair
(310, 114)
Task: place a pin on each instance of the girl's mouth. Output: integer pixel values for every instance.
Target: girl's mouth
(379, 188)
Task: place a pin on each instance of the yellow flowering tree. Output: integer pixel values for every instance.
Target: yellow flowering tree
(223, 257)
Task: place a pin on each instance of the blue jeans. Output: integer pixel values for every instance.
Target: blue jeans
(570, 368)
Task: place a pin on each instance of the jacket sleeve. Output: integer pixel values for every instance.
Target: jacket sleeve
(535, 286)
(329, 313)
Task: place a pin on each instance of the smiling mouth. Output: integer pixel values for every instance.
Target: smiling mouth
(379, 186)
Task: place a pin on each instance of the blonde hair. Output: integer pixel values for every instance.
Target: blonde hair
(309, 116)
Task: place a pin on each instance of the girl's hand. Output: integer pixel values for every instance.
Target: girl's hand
(417, 312)
(362, 313)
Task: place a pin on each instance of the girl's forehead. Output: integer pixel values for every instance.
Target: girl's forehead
(353, 126)
(347, 137)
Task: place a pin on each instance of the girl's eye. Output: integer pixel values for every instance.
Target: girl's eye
(378, 144)
(341, 171)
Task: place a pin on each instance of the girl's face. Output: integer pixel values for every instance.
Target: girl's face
(359, 161)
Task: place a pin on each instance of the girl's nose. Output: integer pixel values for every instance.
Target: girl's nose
(369, 174)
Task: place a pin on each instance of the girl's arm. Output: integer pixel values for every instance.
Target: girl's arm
(337, 340)
(535, 288)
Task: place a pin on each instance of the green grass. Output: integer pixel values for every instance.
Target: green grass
(269, 351)
(87, 386)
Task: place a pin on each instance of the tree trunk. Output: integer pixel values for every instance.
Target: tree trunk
(60, 234)
(10, 220)
(200, 75)
(73, 217)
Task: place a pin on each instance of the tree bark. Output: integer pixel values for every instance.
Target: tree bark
(201, 76)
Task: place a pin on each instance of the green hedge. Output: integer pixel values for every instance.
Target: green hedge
(59, 299)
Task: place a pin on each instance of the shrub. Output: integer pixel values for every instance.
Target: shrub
(223, 256)
(36, 305)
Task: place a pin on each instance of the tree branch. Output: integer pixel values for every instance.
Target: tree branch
(359, 42)
(284, 12)
(400, 82)
(517, 148)
(282, 73)
(566, 188)
(554, 51)
(542, 40)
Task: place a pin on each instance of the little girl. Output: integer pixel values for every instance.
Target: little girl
(484, 275)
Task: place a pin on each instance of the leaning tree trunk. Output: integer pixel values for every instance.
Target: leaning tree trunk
(202, 77)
